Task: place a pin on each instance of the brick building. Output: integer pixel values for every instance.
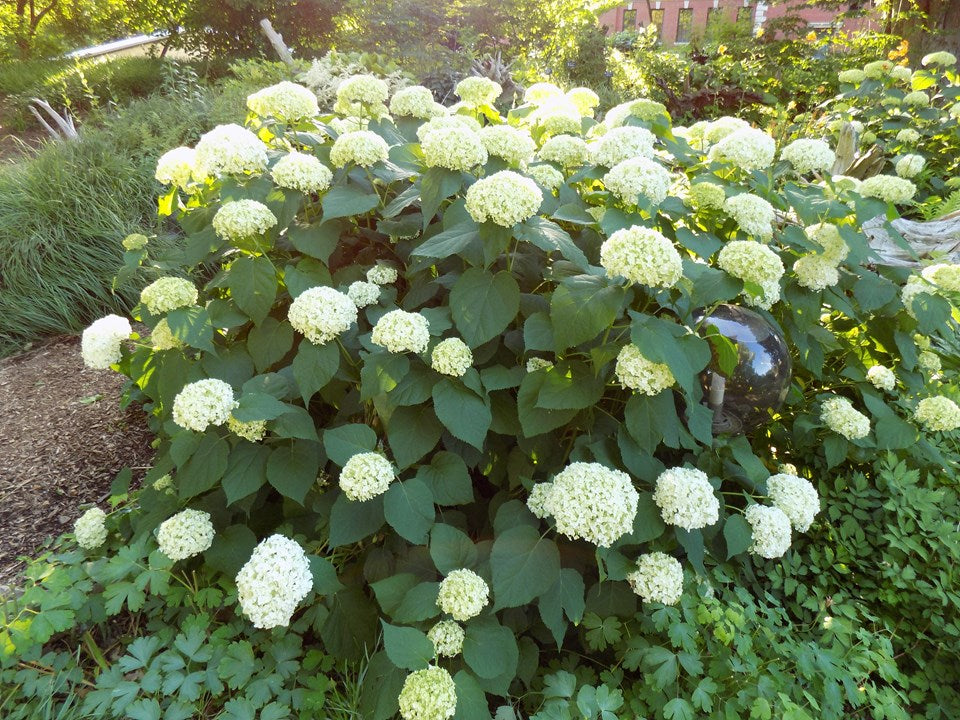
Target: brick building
(679, 20)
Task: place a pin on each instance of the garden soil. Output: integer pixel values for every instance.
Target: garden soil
(63, 439)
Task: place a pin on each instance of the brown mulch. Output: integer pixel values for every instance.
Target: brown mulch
(63, 439)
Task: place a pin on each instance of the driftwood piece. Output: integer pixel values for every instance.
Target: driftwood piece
(65, 126)
(937, 237)
(276, 40)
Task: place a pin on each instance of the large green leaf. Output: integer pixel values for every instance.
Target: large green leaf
(667, 342)
(407, 647)
(408, 507)
(293, 469)
(318, 240)
(352, 521)
(490, 649)
(246, 471)
(258, 406)
(345, 441)
(436, 185)
(471, 700)
(450, 241)
(524, 566)
(192, 326)
(231, 548)
(268, 342)
(448, 479)
(565, 595)
(550, 237)
(569, 385)
(253, 286)
(314, 366)
(737, 533)
(465, 415)
(412, 433)
(534, 420)
(451, 549)
(205, 467)
(346, 201)
(484, 304)
(582, 307)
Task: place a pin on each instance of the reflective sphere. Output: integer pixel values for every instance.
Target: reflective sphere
(761, 379)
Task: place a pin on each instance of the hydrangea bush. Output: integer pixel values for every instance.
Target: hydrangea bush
(452, 417)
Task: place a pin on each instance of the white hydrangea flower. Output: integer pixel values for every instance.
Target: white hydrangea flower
(827, 236)
(889, 188)
(918, 98)
(345, 125)
(361, 147)
(362, 96)
(541, 92)
(558, 118)
(285, 100)
(242, 219)
(451, 357)
(429, 694)
(505, 198)
(753, 214)
(101, 342)
(636, 372)
(796, 496)
(631, 179)
(641, 255)
(546, 175)
(363, 293)
(844, 183)
(770, 527)
(415, 101)
(882, 377)
(463, 594)
(838, 414)
(90, 529)
(954, 111)
(229, 150)
(175, 167)
(910, 165)
(252, 430)
(273, 582)
(909, 292)
(747, 148)
(565, 150)
(162, 338)
(808, 154)
(854, 76)
(941, 57)
(509, 143)
(135, 241)
(455, 148)
(539, 500)
(901, 73)
(753, 262)
(186, 534)
(447, 637)
(718, 129)
(878, 69)
(622, 143)
(686, 498)
(301, 171)
(400, 331)
(446, 121)
(584, 98)
(382, 274)
(946, 276)
(536, 363)
(477, 90)
(366, 475)
(592, 502)
(707, 196)
(816, 272)
(168, 293)
(929, 361)
(658, 578)
(322, 313)
(908, 136)
(203, 403)
(938, 414)
(648, 110)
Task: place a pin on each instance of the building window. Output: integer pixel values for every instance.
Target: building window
(629, 19)
(656, 18)
(684, 25)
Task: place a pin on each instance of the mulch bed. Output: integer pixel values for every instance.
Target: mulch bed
(63, 439)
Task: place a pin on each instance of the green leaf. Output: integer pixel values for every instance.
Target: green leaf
(314, 366)
(550, 237)
(569, 385)
(436, 185)
(483, 304)
(205, 467)
(835, 450)
(296, 423)
(533, 420)
(407, 648)
(318, 240)
(708, 285)
(737, 533)
(419, 604)
(293, 469)
(381, 373)
(258, 406)
(566, 595)
(448, 479)
(582, 307)
(237, 665)
(246, 471)
(325, 580)
(347, 201)
(647, 525)
(647, 418)
(253, 286)
(412, 432)
(192, 326)
(451, 549)
(449, 242)
(678, 709)
(524, 566)
(342, 443)
(352, 521)
(408, 507)
(231, 548)
(490, 649)
(894, 433)
(538, 332)
(471, 699)
(268, 342)
(667, 342)
(465, 415)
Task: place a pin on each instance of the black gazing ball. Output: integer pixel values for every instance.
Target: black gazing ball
(742, 400)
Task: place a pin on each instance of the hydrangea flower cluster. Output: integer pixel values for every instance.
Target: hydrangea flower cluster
(463, 594)
(285, 100)
(910, 165)
(641, 255)
(797, 498)
(686, 498)
(565, 150)
(90, 529)
(252, 430)
(362, 96)
(541, 92)
(929, 361)
(854, 76)
(505, 198)
(101, 342)
(882, 377)
(909, 136)
(638, 177)
(162, 338)
(917, 98)
(366, 475)
(382, 274)
(168, 293)
(447, 637)
(203, 403)
(746, 148)
(135, 241)
(241, 219)
(273, 582)
(417, 102)
(584, 99)
(539, 499)
(536, 363)
(644, 109)
(360, 147)
(451, 357)
(938, 414)
(322, 313)
(809, 154)
(446, 121)
(509, 143)
(753, 214)
(363, 293)
(839, 415)
(175, 167)
(592, 502)
(429, 694)
(455, 148)
(229, 150)
(889, 188)
(707, 196)
(942, 58)
(400, 331)
(546, 175)
(658, 578)
(477, 90)
(877, 69)
(186, 534)
(301, 171)
(636, 372)
(815, 272)
(770, 528)
(622, 143)
(755, 263)
(946, 276)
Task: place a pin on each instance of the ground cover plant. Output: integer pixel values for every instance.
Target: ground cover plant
(432, 433)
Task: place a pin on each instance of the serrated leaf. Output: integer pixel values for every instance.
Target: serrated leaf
(483, 304)
(407, 648)
(524, 566)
